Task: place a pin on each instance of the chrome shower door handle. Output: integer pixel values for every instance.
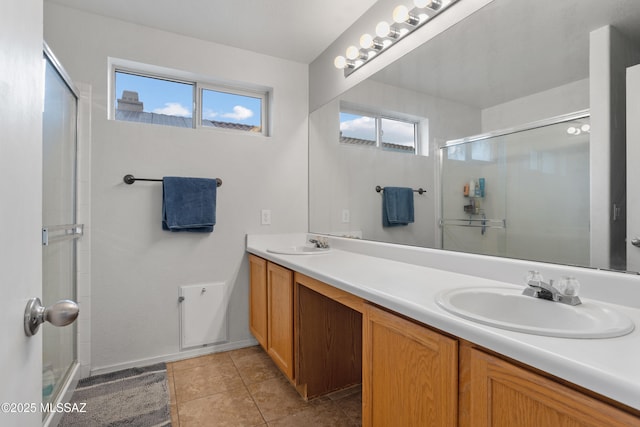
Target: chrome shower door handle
(635, 242)
(62, 313)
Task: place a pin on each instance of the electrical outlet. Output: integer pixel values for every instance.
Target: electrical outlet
(265, 217)
(346, 216)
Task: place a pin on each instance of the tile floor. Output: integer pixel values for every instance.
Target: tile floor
(244, 388)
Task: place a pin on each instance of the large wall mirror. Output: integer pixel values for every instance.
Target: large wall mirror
(513, 121)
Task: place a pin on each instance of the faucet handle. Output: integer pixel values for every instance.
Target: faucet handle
(568, 285)
(533, 277)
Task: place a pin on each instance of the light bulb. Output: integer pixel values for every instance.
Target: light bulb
(366, 41)
(400, 14)
(585, 127)
(383, 29)
(352, 52)
(340, 62)
(572, 130)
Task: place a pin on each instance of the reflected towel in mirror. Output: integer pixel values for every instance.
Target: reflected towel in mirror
(397, 206)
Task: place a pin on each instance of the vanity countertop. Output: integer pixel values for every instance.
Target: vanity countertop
(606, 366)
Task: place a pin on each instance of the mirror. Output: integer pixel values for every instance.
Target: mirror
(512, 68)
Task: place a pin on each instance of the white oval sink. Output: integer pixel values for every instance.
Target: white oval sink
(299, 250)
(507, 308)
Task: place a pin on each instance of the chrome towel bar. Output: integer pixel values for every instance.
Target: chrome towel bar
(419, 190)
(130, 179)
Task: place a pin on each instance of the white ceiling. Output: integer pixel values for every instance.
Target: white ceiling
(298, 30)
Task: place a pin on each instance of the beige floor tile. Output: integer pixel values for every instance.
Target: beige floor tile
(205, 380)
(325, 415)
(232, 408)
(241, 352)
(277, 398)
(244, 388)
(352, 407)
(341, 394)
(201, 361)
(255, 366)
(175, 421)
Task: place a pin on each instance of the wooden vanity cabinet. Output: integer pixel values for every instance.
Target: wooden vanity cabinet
(271, 311)
(502, 394)
(412, 375)
(280, 317)
(258, 299)
(409, 373)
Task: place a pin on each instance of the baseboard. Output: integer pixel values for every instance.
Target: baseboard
(175, 356)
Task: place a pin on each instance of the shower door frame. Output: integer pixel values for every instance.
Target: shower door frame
(69, 380)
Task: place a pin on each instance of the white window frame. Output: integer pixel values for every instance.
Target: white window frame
(199, 83)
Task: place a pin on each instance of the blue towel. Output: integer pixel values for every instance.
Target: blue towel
(397, 206)
(188, 204)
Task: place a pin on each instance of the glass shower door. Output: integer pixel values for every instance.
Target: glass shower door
(59, 225)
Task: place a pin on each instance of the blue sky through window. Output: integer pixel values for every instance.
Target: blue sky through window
(176, 99)
(157, 95)
(230, 108)
(357, 126)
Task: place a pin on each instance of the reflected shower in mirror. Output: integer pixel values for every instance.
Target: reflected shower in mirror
(522, 193)
(510, 64)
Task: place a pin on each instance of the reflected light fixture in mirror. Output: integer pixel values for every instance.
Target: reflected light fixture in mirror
(405, 21)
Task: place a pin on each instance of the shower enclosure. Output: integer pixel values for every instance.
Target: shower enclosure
(520, 193)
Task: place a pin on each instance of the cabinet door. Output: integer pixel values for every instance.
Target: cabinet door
(503, 394)
(280, 317)
(258, 299)
(409, 373)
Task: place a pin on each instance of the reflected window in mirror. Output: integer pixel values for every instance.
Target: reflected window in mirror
(398, 135)
(481, 150)
(358, 129)
(381, 130)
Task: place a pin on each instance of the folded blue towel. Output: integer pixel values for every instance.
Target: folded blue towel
(188, 204)
(397, 206)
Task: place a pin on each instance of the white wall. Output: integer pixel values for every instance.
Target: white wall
(610, 53)
(136, 267)
(345, 177)
(557, 101)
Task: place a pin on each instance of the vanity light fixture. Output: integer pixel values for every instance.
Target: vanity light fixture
(405, 21)
(573, 130)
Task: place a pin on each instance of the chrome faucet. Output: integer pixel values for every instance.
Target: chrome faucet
(320, 242)
(565, 292)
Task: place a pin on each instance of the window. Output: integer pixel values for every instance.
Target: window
(358, 129)
(164, 97)
(153, 100)
(232, 110)
(376, 130)
(397, 135)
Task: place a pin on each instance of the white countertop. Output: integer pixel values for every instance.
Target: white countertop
(609, 366)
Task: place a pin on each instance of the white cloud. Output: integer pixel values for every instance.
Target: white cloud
(173, 109)
(210, 114)
(360, 124)
(239, 113)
